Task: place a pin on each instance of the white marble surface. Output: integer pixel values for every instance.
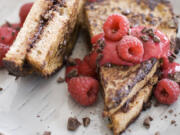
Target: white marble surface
(23, 99)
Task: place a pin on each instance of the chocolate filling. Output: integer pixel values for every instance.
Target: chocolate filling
(123, 92)
(45, 18)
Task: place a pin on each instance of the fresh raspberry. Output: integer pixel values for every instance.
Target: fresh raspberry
(7, 35)
(70, 69)
(86, 70)
(96, 38)
(167, 91)
(91, 59)
(130, 49)
(115, 27)
(24, 11)
(110, 55)
(84, 90)
(156, 44)
(3, 50)
(16, 26)
(170, 68)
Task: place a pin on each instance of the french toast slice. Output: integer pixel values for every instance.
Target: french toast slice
(49, 41)
(121, 83)
(130, 111)
(14, 60)
(156, 14)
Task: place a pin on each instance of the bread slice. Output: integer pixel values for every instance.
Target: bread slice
(121, 83)
(128, 113)
(156, 14)
(14, 60)
(49, 37)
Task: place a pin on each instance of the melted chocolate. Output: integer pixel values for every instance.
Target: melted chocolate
(123, 92)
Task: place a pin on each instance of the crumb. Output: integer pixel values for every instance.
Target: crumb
(71, 62)
(60, 80)
(156, 104)
(47, 133)
(173, 122)
(86, 121)
(17, 77)
(147, 105)
(157, 133)
(37, 115)
(129, 130)
(170, 111)
(73, 124)
(175, 115)
(1, 89)
(165, 116)
(147, 121)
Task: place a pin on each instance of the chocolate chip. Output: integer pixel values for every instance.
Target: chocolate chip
(126, 12)
(71, 62)
(8, 24)
(86, 121)
(1, 89)
(72, 73)
(144, 30)
(157, 133)
(13, 33)
(147, 105)
(108, 65)
(144, 38)
(150, 32)
(173, 122)
(156, 39)
(73, 124)
(17, 77)
(47, 133)
(147, 121)
(170, 111)
(165, 116)
(175, 77)
(2, 38)
(60, 80)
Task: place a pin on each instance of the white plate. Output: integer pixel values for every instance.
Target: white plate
(24, 99)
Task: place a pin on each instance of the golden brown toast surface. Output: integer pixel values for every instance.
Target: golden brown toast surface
(121, 83)
(121, 119)
(139, 12)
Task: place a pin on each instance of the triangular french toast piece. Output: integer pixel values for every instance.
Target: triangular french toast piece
(47, 37)
(128, 113)
(156, 14)
(121, 83)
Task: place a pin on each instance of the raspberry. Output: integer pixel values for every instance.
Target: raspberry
(24, 11)
(3, 50)
(152, 48)
(115, 27)
(130, 49)
(86, 70)
(71, 69)
(110, 55)
(7, 35)
(170, 68)
(167, 91)
(96, 38)
(84, 90)
(15, 26)
(91, 59)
